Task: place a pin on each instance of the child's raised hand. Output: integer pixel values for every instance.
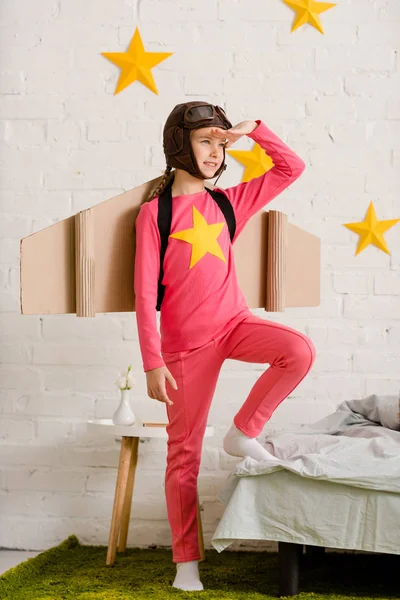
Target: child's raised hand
(156, 384)
(234, 133)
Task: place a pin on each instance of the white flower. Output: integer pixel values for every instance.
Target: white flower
(121, 382)
(126, 380)
(131, 380)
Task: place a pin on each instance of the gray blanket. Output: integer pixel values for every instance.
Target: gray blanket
(357, 445)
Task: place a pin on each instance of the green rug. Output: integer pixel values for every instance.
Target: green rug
(72, 571)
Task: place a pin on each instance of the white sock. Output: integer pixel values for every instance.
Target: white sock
(187, 576)
(237, 443)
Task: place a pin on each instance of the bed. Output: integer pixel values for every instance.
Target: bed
(332, 484)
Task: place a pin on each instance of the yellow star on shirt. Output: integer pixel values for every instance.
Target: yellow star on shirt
(255, 160)
(371, 230)
(307, 12)
(203, 238)
(136, 64)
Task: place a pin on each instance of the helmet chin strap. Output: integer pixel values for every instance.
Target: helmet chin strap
(224, 169)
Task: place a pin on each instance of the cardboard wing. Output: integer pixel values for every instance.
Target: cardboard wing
(84, 264)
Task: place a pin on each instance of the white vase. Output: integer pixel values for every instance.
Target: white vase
(124, 414)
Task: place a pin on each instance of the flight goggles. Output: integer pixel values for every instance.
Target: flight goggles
(204, 113)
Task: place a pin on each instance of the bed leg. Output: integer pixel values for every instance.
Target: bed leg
(289, 568)
(315, 552)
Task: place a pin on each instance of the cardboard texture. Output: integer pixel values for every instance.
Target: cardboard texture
(84, 264)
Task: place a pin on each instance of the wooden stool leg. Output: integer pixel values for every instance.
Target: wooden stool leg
(126, 509)
(200, 532)
(122, 479)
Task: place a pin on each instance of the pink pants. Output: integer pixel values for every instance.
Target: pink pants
(290, 355)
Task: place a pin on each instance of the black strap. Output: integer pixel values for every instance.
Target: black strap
(227, 209)
(164, 220)
(164, 226)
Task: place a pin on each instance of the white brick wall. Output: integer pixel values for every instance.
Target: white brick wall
(67, 144)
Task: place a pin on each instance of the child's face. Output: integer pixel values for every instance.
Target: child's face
(208, 151)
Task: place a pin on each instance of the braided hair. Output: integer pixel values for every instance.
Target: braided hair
(165, 180)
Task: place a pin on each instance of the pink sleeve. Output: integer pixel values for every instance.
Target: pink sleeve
(249, 197)
(147, 264)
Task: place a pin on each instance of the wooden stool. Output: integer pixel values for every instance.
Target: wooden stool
(126, 478)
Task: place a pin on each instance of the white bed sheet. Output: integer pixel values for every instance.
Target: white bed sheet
(283, 506)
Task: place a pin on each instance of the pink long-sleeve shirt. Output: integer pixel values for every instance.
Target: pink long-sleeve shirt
(202, 297)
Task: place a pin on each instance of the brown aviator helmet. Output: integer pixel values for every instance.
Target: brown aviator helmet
(176, 137)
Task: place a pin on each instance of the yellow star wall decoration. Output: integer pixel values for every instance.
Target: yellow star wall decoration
(371, 230)
(203, 238)
(136, 64)
(307, 11)
(255, 160)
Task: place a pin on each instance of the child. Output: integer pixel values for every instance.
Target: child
(204, 317)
